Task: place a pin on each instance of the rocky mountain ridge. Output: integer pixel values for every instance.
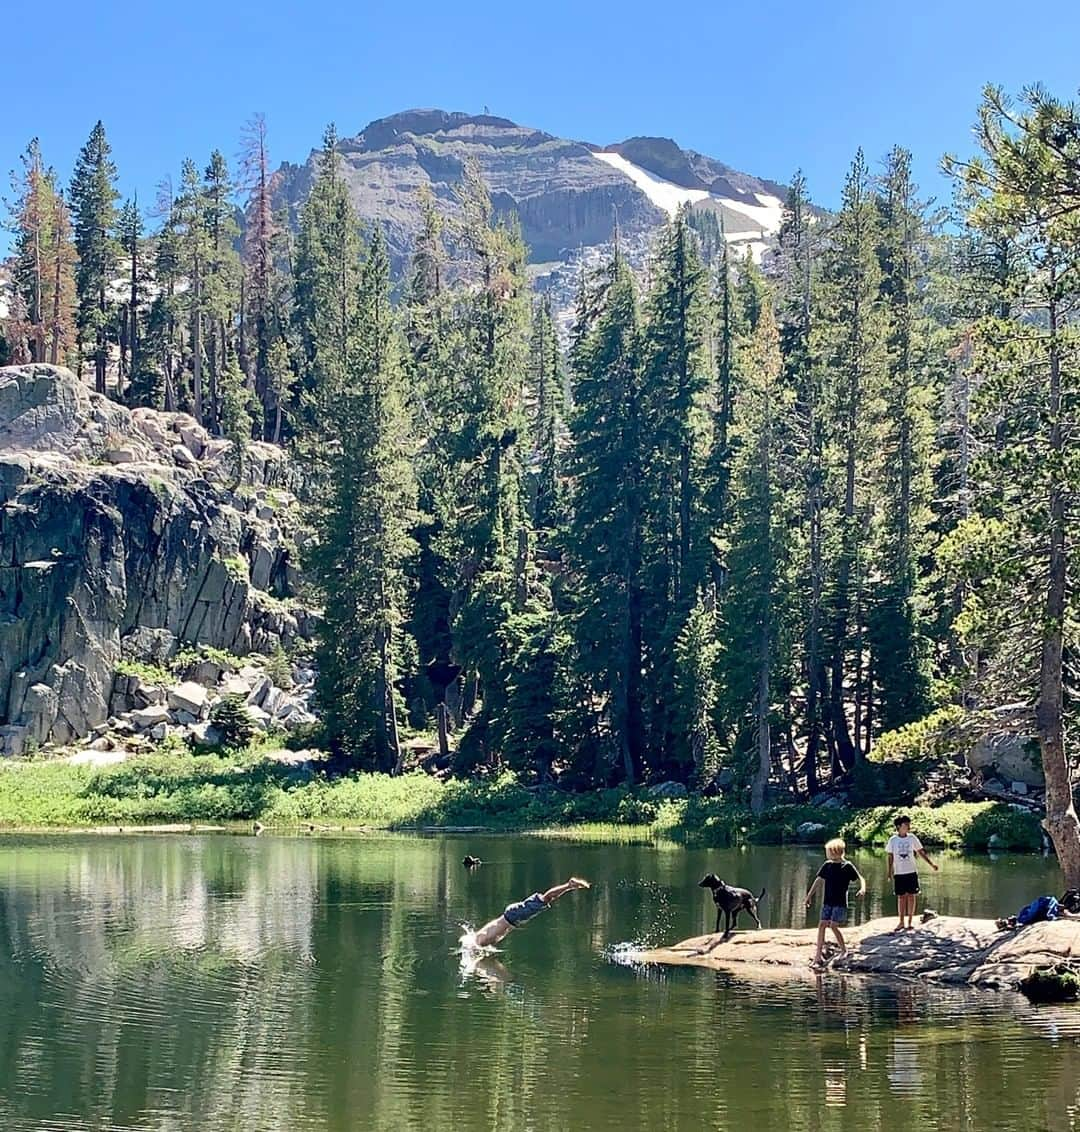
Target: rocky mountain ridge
(126, 535)
(567, 194)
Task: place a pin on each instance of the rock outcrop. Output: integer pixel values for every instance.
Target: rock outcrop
(948, 949)
(565, 197)
(125, 535)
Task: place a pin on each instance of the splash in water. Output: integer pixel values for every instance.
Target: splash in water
(467, 945)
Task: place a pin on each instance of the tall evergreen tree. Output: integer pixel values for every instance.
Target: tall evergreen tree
(1028, 477)
(221, 275)
(847, 340)
(327, 271)
(757, 590)
(604, 536)
(129, 233)
(895, 631)
(546, 424)
(796, 255)
(93, 198)
(363, 525)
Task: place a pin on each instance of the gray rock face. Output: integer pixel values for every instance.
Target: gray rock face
(565, 197)
(101, 561)
(1010, 754)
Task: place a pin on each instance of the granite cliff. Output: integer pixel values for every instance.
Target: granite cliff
(124, 536)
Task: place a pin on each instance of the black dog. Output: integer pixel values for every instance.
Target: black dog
(731, 901)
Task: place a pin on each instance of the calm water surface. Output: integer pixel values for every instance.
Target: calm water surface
(274, 983)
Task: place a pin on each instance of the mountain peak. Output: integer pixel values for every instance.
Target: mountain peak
(420, 122)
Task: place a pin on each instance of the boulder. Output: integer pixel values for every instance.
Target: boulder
(207, 673)
(159, 731)
(809, 830)
(298, 720)
(40, 705)
(235, 685)
(259, 717)
(948, 949)
(147, 717)
(259, 690)
(121, 455)
(189, 697)
(146, 693)
(12, 740)
(1009, 756)
(184, 458)
(204, 734)
(1019, 787)
(194, 437)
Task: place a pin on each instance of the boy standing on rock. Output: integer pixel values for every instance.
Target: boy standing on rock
(836, 876)
(902, 849)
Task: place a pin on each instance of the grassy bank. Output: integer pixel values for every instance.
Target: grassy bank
(211, 788)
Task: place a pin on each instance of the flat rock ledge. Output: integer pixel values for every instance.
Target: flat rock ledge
(948, 949)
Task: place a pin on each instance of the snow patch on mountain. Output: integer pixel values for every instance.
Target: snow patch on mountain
(663, 194)
(763, 218)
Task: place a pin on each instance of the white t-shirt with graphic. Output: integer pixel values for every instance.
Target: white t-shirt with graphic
(903, 850)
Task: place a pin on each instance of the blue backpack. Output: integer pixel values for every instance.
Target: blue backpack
(1045, 908)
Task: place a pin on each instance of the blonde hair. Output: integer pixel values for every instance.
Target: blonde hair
(836, 847)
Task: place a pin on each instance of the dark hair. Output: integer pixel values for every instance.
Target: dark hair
(903, 819)
(1071, 901)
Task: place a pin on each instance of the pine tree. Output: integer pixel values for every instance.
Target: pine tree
(847, 341)
(42, 264)
(485, 537)
(437, 413)
(757, 590)
(93, 198)
(326, 282)
(896, 635)
(697, 685)
(256, 304)
(546, 424)
(29, 270)
(221, 276)
(193, 243)
(363, 525)
(796, 255)
(1027, 416)
(604, 535)
(676, 375)
(237, 405)
(129, 233)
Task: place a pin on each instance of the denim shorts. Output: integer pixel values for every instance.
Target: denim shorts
(836, 913)
(523, 910)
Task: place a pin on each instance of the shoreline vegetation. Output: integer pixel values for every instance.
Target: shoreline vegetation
(210, 791)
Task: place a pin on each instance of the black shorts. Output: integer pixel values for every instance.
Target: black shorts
(905, 884)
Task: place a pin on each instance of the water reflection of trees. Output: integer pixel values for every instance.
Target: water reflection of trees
(295, 984)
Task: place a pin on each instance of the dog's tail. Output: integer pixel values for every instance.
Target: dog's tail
(762, 896)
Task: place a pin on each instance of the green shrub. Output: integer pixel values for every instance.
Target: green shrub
(229, 715)
(934, 737)
(149, 673)
(279, 669)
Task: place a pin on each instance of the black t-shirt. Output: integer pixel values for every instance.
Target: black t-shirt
(837, 875)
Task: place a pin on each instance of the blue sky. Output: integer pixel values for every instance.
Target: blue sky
(765, 87)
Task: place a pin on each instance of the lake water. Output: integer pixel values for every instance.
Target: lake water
(220, 983)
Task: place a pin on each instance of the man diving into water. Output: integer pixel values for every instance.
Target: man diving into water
(514, 915)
